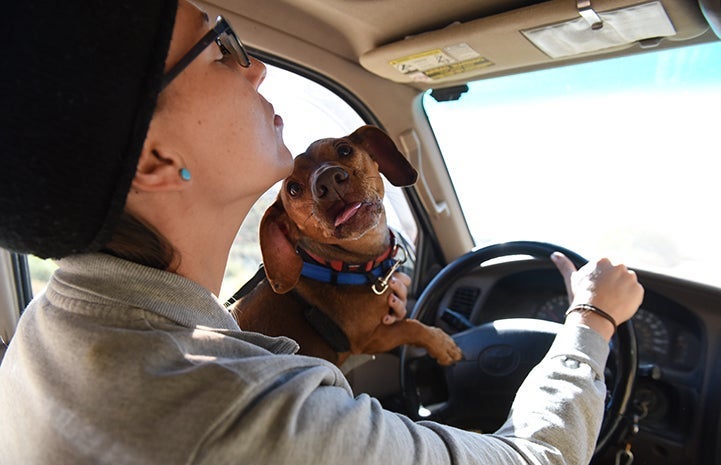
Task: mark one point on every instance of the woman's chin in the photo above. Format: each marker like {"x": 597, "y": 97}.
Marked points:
{"x": 287, "y": 162}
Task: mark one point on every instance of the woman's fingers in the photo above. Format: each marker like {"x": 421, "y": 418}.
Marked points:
{"x": 612, "y": 288}
{"x": 566, "y": 268}
{"x": 397, "y": 298}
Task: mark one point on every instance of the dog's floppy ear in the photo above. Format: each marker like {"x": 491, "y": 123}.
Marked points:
{"x": 277, "y": 244}
{"x": 390, "y": 161}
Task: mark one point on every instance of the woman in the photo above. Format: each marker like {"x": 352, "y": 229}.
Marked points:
{"x": 129, "y": 117}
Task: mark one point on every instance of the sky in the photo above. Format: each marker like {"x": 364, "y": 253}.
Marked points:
{"x": 612, "y": 158}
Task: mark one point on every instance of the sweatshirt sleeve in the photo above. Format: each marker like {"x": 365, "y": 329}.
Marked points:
{"x": 308, "y": 415}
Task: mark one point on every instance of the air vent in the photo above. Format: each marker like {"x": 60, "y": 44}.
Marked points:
{"x": 464, "y": 299}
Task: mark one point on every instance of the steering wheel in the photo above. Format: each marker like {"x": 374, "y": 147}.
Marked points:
{"x": 497, "y": 356}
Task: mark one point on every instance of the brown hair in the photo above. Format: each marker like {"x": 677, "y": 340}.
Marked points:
{"x": 137, "y": 241}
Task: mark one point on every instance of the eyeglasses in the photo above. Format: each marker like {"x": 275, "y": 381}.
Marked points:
{"x": 223, "y": 35}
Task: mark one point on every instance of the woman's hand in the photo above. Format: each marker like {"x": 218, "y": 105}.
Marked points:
{"x": 612, "y": 288}
{"x": 397, "y": 298}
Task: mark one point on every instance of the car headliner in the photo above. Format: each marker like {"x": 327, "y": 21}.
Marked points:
{"x": 373, "y": 33}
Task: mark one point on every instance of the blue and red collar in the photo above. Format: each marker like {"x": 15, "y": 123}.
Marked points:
{"x": 339, "y": 272}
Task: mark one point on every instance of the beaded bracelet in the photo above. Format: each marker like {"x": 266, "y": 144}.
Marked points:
{"x": 594, "y": 309}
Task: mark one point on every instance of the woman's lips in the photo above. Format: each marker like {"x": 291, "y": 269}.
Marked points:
{"x": 277, "y": 121}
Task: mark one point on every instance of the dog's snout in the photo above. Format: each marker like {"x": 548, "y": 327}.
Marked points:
{"x": 329, "y": 181}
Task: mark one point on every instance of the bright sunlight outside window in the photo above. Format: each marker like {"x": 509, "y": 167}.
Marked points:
{"x": 310, "y": 112}
{"x": 612, "y": 158}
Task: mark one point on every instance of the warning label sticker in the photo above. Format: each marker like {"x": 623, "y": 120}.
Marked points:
{"x": 457, "y": 68}
{"x": 440, "y": 63}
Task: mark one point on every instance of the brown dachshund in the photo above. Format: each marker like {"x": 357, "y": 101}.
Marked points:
{"x": 328, "y": 254}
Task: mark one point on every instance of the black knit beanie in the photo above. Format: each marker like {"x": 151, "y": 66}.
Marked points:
{"x": 79, "y": 83}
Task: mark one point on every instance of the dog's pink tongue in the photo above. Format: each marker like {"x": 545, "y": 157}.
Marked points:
{"x": 347, "y": 214}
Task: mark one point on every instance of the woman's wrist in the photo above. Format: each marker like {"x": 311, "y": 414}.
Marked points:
{"x": 593, "y": 309}
{"x": 600, "y": 322}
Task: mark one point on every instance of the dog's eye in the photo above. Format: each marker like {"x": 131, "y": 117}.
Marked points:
{"x": 294, "y": 189}
{"x": 344, "y": 150}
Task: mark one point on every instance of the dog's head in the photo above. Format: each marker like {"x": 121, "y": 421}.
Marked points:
{"x": 335, "y": 194}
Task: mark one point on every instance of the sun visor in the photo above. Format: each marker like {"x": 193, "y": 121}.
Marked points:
{"x": 597, "y": 31}
{"x": 712, "y": 11}
{"x": 562, "y": 30}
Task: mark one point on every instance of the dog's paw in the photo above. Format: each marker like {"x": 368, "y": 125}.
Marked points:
{"x": 444, "y": 348}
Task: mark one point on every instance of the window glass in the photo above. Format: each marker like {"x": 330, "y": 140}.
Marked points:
{"x": 609, "y": 158}
{"x": 310, "y": 112}
{"x": 40, "y": 272}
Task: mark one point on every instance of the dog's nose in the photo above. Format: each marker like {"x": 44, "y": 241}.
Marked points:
{"x": 329, "y": 182}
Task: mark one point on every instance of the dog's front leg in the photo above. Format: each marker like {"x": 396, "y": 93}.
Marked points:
{"x": 439, "y": 345}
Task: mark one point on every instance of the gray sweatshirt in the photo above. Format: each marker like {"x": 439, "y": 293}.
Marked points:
{"x": 117, "y": 363}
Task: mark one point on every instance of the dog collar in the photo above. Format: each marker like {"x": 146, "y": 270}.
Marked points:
{"x": 339, "y": 272}
{"x": 341, "y": 266}
{"x": 327, "y": 275}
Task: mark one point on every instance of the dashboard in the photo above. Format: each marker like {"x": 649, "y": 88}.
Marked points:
{"x": 671, "y": 340}
{"x": 668, "y": 335}
{"x": 676, "y": 402}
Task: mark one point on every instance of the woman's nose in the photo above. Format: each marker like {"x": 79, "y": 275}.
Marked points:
{"x": 256, "y": 71}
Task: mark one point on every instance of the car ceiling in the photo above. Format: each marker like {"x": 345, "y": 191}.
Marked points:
{"x": 375, "y": 32}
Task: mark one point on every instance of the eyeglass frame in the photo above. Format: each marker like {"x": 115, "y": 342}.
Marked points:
{"x": 221, "y": 28}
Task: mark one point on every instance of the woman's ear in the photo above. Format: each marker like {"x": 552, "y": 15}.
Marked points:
{"x": 160, "y": 170}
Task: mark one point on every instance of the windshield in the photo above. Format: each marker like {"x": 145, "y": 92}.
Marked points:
{"x": 615, "y": 158}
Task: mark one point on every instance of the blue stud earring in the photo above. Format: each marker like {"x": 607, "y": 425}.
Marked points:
{"x": 184, "y": 174}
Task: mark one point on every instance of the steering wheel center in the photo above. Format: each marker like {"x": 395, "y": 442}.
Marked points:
{"x": 499, "y": 360}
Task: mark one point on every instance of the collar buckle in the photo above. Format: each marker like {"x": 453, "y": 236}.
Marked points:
{"x": 380, "y": 286}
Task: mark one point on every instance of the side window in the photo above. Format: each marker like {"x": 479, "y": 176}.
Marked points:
{"x": 40, "y": 272}
{"x": 310, "y": 112}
